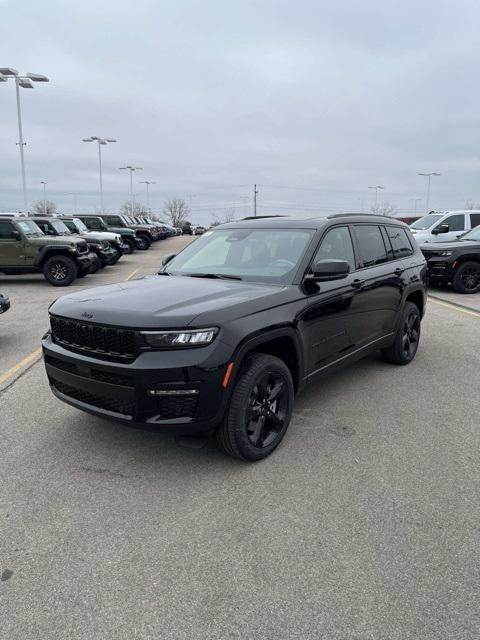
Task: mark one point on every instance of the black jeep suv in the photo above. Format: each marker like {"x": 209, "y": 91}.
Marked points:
{"x": 237, "y": 323}
{"x": 456, "y": 263}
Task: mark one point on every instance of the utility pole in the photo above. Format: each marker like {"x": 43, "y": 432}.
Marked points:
{"x": 377, "y": 187}
{"x": 255, "y": 193}
{"x": 427, "y": 198}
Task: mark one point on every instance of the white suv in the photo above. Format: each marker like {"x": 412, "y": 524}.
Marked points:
{"x": 444, "y": 226}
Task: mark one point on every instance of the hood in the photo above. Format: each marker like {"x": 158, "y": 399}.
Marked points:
{"x": 451, "y": 246}
{"x": 56, "y": 240}
{"x": 123, "y": 231}
{"x": 169, "y": 302}
{"x": 100, "y": 235}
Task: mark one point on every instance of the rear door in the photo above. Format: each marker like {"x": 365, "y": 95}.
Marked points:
{"x": 474, "y": 220}
{"x": 380, "y": 284}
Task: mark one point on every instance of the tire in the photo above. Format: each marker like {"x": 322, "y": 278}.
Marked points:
{"x": 95, "y": 266}
{"x": 407, "y": 338}
{"x": 251, "y": 429}
{"x": 145, "y": 242}
{"x": 82, "y": 274}
{"x": 58, "y": 266}
{"x": 117, "y": 257}
{"x": 467, "y": 278}
{"x": 130, "y": 245}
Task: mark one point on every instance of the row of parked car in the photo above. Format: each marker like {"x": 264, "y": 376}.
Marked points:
{"x": 64, "y": 248}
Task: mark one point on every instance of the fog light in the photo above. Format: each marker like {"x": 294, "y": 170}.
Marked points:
{"x": 173, "y": 392}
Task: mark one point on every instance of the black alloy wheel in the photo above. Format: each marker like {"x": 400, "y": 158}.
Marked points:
{"x": 260, "y": 408}
{"x": 60, "y": 271}
{"x": 407, "y": 338}
{"x": 266, "y": 412}
{"x": 467, "y": 278}
{"x": 130, "y": 245}
{"x": 143, "y": 242}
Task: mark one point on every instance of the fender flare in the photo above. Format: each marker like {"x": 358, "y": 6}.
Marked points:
{"x": 43, "y": 251}
{"x": 253, "y": 340}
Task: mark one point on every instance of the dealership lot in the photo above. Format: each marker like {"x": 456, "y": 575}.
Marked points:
{"x": 364, "y": 523}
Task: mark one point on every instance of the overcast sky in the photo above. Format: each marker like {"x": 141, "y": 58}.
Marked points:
{"x": 313, "y": 100}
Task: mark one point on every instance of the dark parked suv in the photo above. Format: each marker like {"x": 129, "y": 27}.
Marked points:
{"x": 236, "y": 324}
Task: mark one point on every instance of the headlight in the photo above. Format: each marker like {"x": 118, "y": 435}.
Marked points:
{"x": 446, "y": 253}
{"x": 187, "y": 338}
{"x": 118, "y": 239}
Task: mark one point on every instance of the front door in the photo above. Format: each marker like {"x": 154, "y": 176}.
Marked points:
{"x": 11, "y": 248}
{"x": 456, "y": 226}
{"x": 325, "y": 323}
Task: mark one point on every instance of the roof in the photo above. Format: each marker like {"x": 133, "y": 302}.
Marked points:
{"x": 286, "y": 222}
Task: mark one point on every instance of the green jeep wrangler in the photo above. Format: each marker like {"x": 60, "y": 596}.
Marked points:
{"x": 25, "y": 249}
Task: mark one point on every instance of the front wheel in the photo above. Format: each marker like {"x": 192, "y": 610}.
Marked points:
{"x": 60, "y": 271}
{"x": 144, "y": 242}
{"x": 407, "y": 338}
{"x": 116, "y": 257}
{"x": 260, "y": 409}
{"x": 467, "y": 278}
{"x": 130, "y": 245}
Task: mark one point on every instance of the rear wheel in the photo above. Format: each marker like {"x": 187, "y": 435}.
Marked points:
{"x": 144, "y": 242}
{"x": 60, "y": 271}
{"x": 407, "y": 338}
{"x": 130, "y": 245}
{"x": 260, "y": 409}
{"x": 467, "y": 278}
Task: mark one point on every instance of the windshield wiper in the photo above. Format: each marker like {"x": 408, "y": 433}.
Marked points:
{"x": 220, "y": 276}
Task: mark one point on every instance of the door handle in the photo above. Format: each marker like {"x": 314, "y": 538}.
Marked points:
{"x": 398, "y": 271}
{"x": 357, "y": 283}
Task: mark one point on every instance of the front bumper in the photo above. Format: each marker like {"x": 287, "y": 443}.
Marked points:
{"x": 4, "y": 304}
{"x": 440, "y": 269}
{"x": 122, "y": 391}
{"x": 86, "y": 260}
{"x": 107, "y": 256}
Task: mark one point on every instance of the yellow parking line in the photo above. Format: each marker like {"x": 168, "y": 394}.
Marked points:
{"x": 449, "y": 305}
{"x": 30, "y": 359}
{"x": 132, "y": 274}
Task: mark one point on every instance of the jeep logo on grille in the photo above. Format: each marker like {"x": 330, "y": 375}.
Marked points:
{"x": 87, "y": 315}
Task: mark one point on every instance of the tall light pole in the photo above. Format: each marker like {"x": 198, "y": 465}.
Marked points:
{"x": 25, "y": 82}
{"x": 44, "y": 196}
{"x": 362, "y": 201}
{"x": 377, "y": 187}
{"x": 147, "y": 184}
{"x": 131, "y": 170}
{"x": 100, "y": 142}
{"x": 429, "y": 176}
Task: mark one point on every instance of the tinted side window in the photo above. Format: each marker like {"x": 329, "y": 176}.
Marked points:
{"x": 336, "y": 245}
{"x": 370, "y": 245}
{"x": 455, "y": 223}
{"x": 474, "y": 219}
{"x": 43, "y": 225}
{"x": 113, "y": 220}
{"x": 6, "y": 228}
{"x": 400, "y": 242}
{"x": 91, "y": 223}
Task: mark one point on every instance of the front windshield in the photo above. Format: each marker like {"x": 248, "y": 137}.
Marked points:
{"x": 80, "y": 226}
{"x": 474, "y": 235}
{"x": 71, "y": 225}
{"x": 261, "y": 255}
{"x": 426, "y": 222}
{"x": 60, "y": 228}
{"x": 29, "y": 228}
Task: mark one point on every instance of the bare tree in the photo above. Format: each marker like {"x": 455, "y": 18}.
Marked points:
{"x": 227, "y": 216}
{"x": 177, "y": 211}
{"x": 385, "y": 209}
{"x": 44, "y": 207}
{"x": 130, "y": 208}
{"x": 470, "y": 205}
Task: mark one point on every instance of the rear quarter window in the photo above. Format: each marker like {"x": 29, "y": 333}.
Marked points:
{"x": 371, "y": 247}
{"x": 400, "y": 241}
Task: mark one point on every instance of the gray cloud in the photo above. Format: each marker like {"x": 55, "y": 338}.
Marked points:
{"x": 210, "y": 97}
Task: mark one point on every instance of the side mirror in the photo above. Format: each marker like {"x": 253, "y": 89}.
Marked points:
{"x": 15, "y": 234}
{"x": 166, "y": 259}
{"x": 442, "y": 228}
{"x": 325, "y": 270}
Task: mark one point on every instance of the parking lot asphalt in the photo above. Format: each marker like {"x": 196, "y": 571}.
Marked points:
{"x": 364, "y": 524}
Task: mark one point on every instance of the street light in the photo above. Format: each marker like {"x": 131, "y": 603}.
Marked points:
{"x": 377, "y": 187}
{"x": 100, "y": 141}
{"x": 131, "y": 169}
{"x": 147, "y": 183}
{"x": 44, "y": 197}
{"x": 25, "y": 82}
{"x": 429, "y": 176}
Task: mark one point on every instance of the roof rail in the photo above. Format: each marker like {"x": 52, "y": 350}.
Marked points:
{"x": 275, "y": 215}
{"x": 366, "y": 215}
